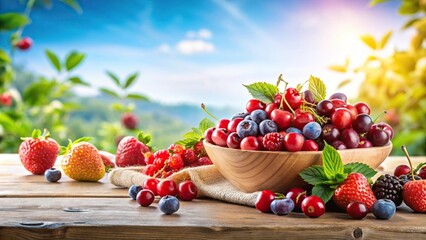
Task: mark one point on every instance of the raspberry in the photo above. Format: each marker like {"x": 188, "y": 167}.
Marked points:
{"x": 151, "y": 169}
{"x": 199, "y": 149}
{"x": 159, "y": 162}
{"x": 176, "y": 148}
{"x": 175, "y": 162}
{"x": 189, "y": 156}
{"x": 204, "y": 161}
{"x": 149, "y": 157}
{"x": 163, "y": 154}
{"x": 273, "y": 141}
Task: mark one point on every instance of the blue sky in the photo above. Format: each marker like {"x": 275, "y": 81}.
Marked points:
{"x": 203, "y": 51}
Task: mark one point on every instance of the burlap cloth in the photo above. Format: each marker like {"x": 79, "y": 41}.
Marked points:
{"x": 209, "y": 181}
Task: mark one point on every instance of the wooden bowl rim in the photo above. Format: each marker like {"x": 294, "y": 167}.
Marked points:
{"x": 346, "y": 151}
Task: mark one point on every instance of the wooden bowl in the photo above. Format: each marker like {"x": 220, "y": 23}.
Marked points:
{"x": 253, "y": 171}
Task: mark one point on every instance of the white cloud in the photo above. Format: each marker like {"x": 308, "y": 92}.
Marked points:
{"x": 164, "y": 48}
{"x": 201, "y": 34}
{"x": 188, "y": 47}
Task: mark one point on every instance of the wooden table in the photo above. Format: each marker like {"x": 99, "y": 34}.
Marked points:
{"x": 31, "y": 208}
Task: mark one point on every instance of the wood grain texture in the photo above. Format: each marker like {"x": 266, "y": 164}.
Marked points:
{"x": 114, "y": 218}
{"x": 253, "y": 171}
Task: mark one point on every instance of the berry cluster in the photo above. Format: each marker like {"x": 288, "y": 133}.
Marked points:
{"x": 295, "y": 122}
{"x": 165, "y": 162}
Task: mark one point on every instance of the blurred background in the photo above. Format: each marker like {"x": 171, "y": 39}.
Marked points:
{"x": 107, "y": 69}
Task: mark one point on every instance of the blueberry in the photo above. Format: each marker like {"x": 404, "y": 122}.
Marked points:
{"x": 268, "y": 126}
{"x": 247, "y": 128}
{"x": 384, "y": 209}
{"x": 134, "y": 190}
{"x": 258, "y": 115}
{"x": 52, "y": 175}
{"x": 293, "y": 129}
{"x": 247, "y": 117}
{"x": 240, "y": 115}
{"x": 282, "y": 206}
{"x": 312, "y": 130}
{"x": 168, "y": 204}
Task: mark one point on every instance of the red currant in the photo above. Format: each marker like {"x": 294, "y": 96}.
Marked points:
{"x": 341, "y": 118}
{"x": 313, "y": 206}
{"x": 293, "y": 142}
{"x": 151, "y": 184}
{"x": 263, "y": 201}
{"x": 145, "y": 197}
{"x": 357, "y": 210}
{"x": 254, "y": 104}
{"x": 167, "y": 187}
{"x": 187, "y": 191}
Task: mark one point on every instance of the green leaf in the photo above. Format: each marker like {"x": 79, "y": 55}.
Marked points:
{"x": 114, "y": 78}
{"x": 36, "y": 133}
{"x": 369, "y": 41}
{"x": 323, "y": 191}
{"x": 54, "y": 60}
{"x": 73, "y": 4}
{"x": 187, "y": 143}
{"x": 109, "y": 92}
{"x": 409, "y": 7}
{"x": 375, "y": 2}
{"x": 317, "y": 87}
{"x": 262, "y": 91}
{"x": 144, "y": 138}
{"x": 362, "y": 168}
{"x": 73, "y": 60}
{"x": 344, "y": 83}
{"x": 130, "y": 80}
{"x": 78, "y": 80}
{"x": 82, "y": 139}
{"x": 332, "y": 162}
{"x": 137, "y": 96}
{"x": 314, "y": 175}
{"x": 10, "y": 21}
{"x": 385, "y": 39}
{"x": 4, "y": 57}
{"x": 192, "y": 135}
{"x": 410, "y": 23}
{"x": 205, "y": 124}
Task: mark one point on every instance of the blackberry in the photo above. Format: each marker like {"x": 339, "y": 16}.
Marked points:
{"x": 403, "y": 179}
{"x": 388, "y": 187}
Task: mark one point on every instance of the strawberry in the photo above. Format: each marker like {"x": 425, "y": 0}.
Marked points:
{"x": 82, "y": 161}
{"x": 108, "y": 160}
{"x": 355, "y": 188}
{"x": 414, "y": 195}
{"x": 130, "y": 152}
{"x": 39, "y": 152}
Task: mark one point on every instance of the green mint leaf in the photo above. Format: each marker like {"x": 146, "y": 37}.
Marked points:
{"x": 314, "y": 175}
{"x": 323, "y": 191}
{"x": 205, "y": 124}
{"x": 262, "y": 91}
{"x": 332, "y": 162}
{"x": 362, "y": 168}
{"x": 317, "y": 87}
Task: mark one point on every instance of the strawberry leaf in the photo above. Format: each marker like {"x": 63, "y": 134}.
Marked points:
{"x": 362, "y": 168}
{"x": 332, "y": 162}
{"x": 82, "y": 139}
{"x": 36, "y": 133}
{"x": 317, "y": 87}
{"x": 144, "y": 138}
{"x": 314, "y": 175}
{"x": 262, "y": 91}
{"x": 323, "y": 191}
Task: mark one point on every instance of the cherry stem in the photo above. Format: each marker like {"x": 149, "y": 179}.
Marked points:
{"x": 280, "y": 79}
{"x": 299, "y": 195}
{"x": 404, "y": 149}
{"x": 377, "y": 117}
{"x": 208, "y": 113}
{"x": 279, "y": 196}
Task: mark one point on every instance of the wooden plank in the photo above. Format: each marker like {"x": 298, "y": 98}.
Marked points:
{"x": 116, "y": 218}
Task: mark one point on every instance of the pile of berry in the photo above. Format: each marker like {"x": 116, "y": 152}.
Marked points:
{"x": 297, "y": 121}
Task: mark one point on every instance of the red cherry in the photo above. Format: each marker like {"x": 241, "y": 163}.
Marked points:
{"x": 145, "y": 197}
{"x": 250, "y": 143}
{"x": 302, "y": 118}
{"x": 282, "y": 118}
{"x": 293, "y": 98}
{"x": 293, "y": 142}
{"x": 24, "y": 43}
{"x": 270, "y": 107}
{"x": 277, "y": 98}
{"x": 364, "y": 143}
{"x": 339, "y": 96}
{"x": 151, "y": 184}
{"x": 310, "y": 145}
{"x": 208, "y": 134}
{"x": 167, "y": 187}
{"x": 401, "y": 170}
{"x": 219, "y": 136}
{"x": 232, "y": 125}
{"x": 357, "y": 210}
{"x": 263, "y": 201}
{"x": 341, "y": 118}
{"x": 222, "y": 123}
{"x": 385, "y": 127}
{"x": 254, "y": 104}
{"x": 187, "y": 191}
{"x": 337, "y": 103}
{"x": 233, "y": 140}
{"x": 422, "y": 172}
{"x": 353, "y": 111}
{"x": 313, "y": 206}
{"x": 297, "y": 195}
{"x": 362, "y": 108}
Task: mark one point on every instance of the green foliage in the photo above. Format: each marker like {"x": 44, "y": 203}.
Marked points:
{"x": 11, "y": 21}
{"x": 317, "y": 87}
{"x": 262, "y": 91}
